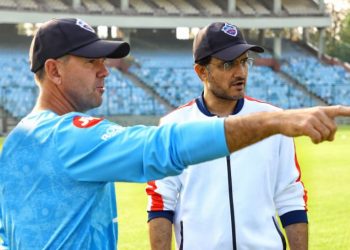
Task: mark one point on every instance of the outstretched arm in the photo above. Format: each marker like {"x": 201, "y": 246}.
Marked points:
{"x": 158, "y": 152}
{"x": 318, "y": 123}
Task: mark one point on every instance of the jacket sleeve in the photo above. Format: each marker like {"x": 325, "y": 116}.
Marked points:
{"x": 108, "y": 152}
{"x": 290, "y": 194}
{"x": 162, "y": 194}
{"x": 162, "y": 197}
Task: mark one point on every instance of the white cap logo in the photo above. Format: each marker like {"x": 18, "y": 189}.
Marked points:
{"x": 230, "y": 29}
{"x": 84, "y": 25}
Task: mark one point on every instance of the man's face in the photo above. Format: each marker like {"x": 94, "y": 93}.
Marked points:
{"x": 83, "y": 81}
{"x": 227, "y": 80}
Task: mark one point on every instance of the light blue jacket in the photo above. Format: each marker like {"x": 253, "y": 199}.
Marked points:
{"x": 57, "y": 174}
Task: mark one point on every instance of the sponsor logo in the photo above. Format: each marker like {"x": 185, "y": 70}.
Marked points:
{"x": 230, "y": 29}
{"x": 84, "y": 25}
{"x": 111, "y": 132}
{"x": 85, "y": 121}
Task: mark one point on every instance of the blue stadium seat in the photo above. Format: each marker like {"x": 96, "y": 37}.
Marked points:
{"x": 170, "y": 73}
{"x": 326, "y": 81}
{"x": 18, "y": 91}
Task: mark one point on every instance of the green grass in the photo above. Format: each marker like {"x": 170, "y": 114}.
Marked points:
{"x": 1, "y": 141}
{"x": 325, "y": 173}
{"x": 132, "y": 216}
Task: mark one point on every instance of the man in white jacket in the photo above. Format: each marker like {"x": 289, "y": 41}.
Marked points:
{"x": 236, "y": 204}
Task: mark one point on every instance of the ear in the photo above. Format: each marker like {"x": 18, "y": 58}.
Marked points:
{"x": 52, "y": 71}
{"x": 201, "y": 71}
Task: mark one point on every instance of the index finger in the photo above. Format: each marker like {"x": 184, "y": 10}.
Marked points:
{"x": 338, "y": 110}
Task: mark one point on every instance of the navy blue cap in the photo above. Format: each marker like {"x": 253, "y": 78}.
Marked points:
{"x": 221, "y": 40}
{"x": 59, "y": 37}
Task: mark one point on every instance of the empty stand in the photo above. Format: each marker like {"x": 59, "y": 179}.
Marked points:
{"x": 106, "y": 6}
{"x": 300, "y": 7}
{"x": 176, "y": 85}
{"x": 19, "y": 92}
{"x": 186, "y": 8}
{"x": 8, "y": 4}
{"x": 245, "y": 8}
{"x": 266, "y": 85}
{"x": 28, "y": 4}
{"x": 324, "y": 82}
{"x": 179, "y": 7}
{"x": 259, "y": 8}
{"x": 210, "y": 7}
{"x": 57, "y": 5}
{"x": 167, "y": 6}
{"x": 141, "y": 7}
{"x": 175, "y": 80}
{"x": 92, "y": 6}
{"x": 124, "y": 98}
{"x": 16, "y": 82}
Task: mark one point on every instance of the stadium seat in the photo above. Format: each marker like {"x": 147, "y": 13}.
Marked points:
{"x": 245, "y": 8}
{"x": 323, "y": 82}
{"x": 28, "y": 4}
{"x": 259, "y": 8}
{"x": 92, "y": 6}
{"x": 300, "y": 7}
{"x": 210, "y": 7}
{"x": 186, "y": 8}
{"x": 175, "y": 80}
{"x": 18, "y": 91}
{"x": 167, "y": 6}
{"x": 8, "y": 4}
{"x": 141, "y": 7}
{"x": 57, "y": 5}
{"x": 106, "y": 6}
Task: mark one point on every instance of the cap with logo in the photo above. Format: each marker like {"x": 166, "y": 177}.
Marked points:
{"x": 221, "y": 40}
{"x": 59, "y": 37}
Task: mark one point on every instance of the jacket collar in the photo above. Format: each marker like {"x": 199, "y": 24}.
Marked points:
{"x": 203, "y": 108}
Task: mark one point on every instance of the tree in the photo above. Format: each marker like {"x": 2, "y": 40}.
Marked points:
{"x": 338, "y": 36}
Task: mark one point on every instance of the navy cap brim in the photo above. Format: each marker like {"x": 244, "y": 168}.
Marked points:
{"x": 103, "y": 49}
{"x": 235, "y": 51}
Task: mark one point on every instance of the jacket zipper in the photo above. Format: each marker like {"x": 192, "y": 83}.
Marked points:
{"x": 182, "y": 235}
{"x": 232, "y": 210}
{"x": 280, "y": 234}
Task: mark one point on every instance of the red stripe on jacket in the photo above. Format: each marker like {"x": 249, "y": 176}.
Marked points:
{"x": 180, "y": 107}
{"x": 299, "y": 178}
{"x": 157, "y": 200}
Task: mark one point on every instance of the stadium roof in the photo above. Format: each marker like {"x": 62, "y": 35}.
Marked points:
{"x": 138, "y": 21}
{"x": 158, "y": 14}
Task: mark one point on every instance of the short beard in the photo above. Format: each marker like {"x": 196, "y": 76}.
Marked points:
{"x": 227, "y": 97}
{"x": 220, "y": 94}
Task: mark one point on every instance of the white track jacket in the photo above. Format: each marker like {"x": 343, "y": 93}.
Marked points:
{"x": 231, "y": 203}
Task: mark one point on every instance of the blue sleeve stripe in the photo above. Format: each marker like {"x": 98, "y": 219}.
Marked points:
{"x": 161, "y": 214}
{"x": 293, "y": 217}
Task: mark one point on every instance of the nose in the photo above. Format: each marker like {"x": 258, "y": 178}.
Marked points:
{"x": 103, "y": 70}
{"x": 240, "y": 70}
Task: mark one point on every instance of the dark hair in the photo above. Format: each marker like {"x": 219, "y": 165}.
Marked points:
{"x": 205, "y": 61}
{"x": 40, "y": 73}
